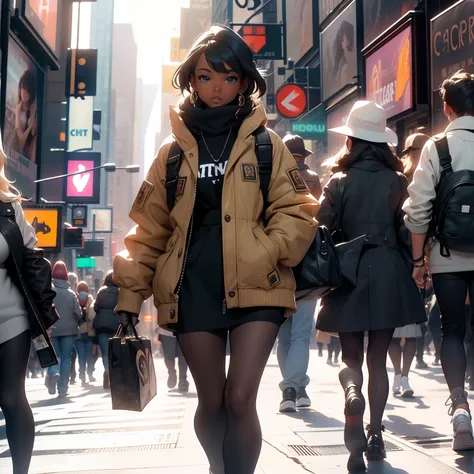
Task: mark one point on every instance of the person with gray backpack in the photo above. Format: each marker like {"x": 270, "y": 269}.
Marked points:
{"x": 440, "y": 215}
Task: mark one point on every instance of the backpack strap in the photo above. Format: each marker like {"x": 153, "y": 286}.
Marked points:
{"x": 173, "y": 165}
{"x": 445, "y": 160}
{"x": 264, "y": 152}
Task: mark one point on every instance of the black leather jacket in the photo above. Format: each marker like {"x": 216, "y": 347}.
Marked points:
{"x": 31, "y": 273}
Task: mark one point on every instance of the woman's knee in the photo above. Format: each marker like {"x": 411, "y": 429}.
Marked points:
{"x": 239, "y": 403}
{"x": 12, "y": 399}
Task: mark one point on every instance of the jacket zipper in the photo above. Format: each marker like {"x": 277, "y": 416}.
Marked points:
{"x": 188, "y": 244}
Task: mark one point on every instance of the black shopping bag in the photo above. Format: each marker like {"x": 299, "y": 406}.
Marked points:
{"x": 131, "y": 371}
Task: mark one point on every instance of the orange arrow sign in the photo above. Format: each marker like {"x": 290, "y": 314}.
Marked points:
{"x": 255, "y": 37}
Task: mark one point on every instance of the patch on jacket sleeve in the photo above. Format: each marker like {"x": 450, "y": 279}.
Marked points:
{"x": 180, "y": 187}
{"x": 249, "y": 172}
{"x": 297, "y": 181}
{"x": 273, "y": 278}
{"x": 143, "y": 194}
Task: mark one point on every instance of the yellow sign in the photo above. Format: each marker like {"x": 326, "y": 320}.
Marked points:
{"x": 46, "y": 225}
{"x": 174, "y": 50}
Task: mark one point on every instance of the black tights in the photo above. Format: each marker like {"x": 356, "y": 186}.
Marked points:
{"x": 20, "y": 425}
{"x": 353, "y": 357}
{"x": 395, "y": 352}
{"x": 226, "y": 420}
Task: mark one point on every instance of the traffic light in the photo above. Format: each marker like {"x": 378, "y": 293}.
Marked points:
{"x": 81, "y": 78}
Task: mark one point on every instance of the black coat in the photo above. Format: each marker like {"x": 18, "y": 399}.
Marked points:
{"x": 385, "y": 295}
{"x": 106, "y": 319}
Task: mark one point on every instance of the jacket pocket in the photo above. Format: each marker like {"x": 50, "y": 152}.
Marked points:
{"x": 267, "y": 243}
{"x": 166, "y": 271}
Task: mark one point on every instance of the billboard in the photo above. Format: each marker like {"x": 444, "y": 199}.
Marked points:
{"x": 381, "y": 14}
{"x": 22, "y": 116}
{"x": 339, "y": 49}
{"x": 43, "y": 15}
{"x": 389, "y": 74}
{"x": 337, "y": 118}
{"x": 326, "y": 7}
{"x": 47, "y": 224}
{"x": 452, "y": 49}
{"x": 103, "y": 220}
{"x": 299, "y": 27}
{"x": 83, "y": 187}
{"x": 80, "y": 123}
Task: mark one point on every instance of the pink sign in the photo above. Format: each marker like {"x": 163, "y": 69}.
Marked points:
{"x": 80, "y": 185}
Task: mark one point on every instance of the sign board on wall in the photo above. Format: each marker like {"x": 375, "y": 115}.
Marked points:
{"x": 43, "y": 16}
{"x": 103, "y": 220}
{"x": 389, "y": 74}
{"x": 47, "y": 224}
{"x": 299, "y": 28}
{"x": 82, "y": 188}
{"x": 381, "y": 14}
{"x": 339, "y": 51}
{"x": 452, "y": 48}
{"x": 311, "y": 126}
{"x": 80, "y": 123}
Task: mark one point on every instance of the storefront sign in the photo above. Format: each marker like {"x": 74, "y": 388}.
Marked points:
{"x": 339, "y": 51}
{"x": 299, "y": 28}
{"x": 43, "y": 15}
{"x": 389, "y": 74}
{"x": 312, "y": 126}
{"x": 452, "y": 48}
{"x": 382, "y": 14}
{"x": 80, "y": 123}
{"x": 83, "y": 188}
{"x": 47, "y": 224}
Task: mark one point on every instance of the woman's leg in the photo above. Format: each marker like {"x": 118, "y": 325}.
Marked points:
{"x": 89, "y": 356}
{"x": 80, "y": 345}
{"x": 19, "y": 420}
{"x": 409, "y": 351}
{"x": 395, "y": 353}
{"x": 104, "y": 350}
{"x": 251, "y": 345}
{"x": 379, "y": 342}
{"x": 205, "y": 355}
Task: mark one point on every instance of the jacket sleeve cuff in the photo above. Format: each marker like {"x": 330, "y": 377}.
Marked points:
{"x": 415, "y": 228}
{"x": 129, "y": 301}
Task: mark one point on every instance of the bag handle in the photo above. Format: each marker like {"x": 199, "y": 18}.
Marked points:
{"x": 123, "y": 331}
{"x": 338, "y": 205}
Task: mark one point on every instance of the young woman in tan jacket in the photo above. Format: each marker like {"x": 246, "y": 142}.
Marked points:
{"x": 216, "y": 265}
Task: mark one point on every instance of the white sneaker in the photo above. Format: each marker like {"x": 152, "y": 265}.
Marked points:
{"x": 397, "y": 381}
{"x": 463, "y": 439}
{"x": 407, "y": 391}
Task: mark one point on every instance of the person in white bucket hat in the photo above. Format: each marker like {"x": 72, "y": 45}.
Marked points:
{"x": 378, "y": 293}
{"x": 367, "y": 121}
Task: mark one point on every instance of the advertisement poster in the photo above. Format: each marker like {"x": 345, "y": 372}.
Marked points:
{"x": 83, "y": 188}
{"x": 326, "y": 7}
{"x": 337, "y": 118}
{"x": 20, "y": 140}
{"x": 299, "y": 21}
{"x": 339, "y": 48}
{"x": 452, "y": 49}
{"x": 103, "y": 219}
{"x": 43, "y": 15}
{"x": 47, "y": 225}
{"x": 389, "y": 74}
{"x": 382, "y": 14}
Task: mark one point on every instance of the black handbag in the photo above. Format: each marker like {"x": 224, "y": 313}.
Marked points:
{"x": 131, "y": 370}
{"x": 319, "y": 273}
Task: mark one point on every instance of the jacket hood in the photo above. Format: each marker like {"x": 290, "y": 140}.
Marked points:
{"x": 61, "y": 284}
{"x": 186, "y": 140}
{"x": 369, "y": 163}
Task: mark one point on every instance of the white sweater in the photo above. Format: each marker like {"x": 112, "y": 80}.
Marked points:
{"x": 422, "y": 191}
{"x": 13, "y": 315}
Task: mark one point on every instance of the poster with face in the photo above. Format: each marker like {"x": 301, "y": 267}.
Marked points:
{"x": 21, "y": 118}
{"x": 338, "y": 45}
{"x": 381, "y": 14}
{"x": 299, "y": 21}
{"x": 389, "y": 74}
{"x": 43, "y": 15}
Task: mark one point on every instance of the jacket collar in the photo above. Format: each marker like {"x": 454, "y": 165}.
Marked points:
{"x": 61, "y": 283}
{"x": 186, "y": 140}
{"x": 460, "y": 123}
{"x": 302, "y": 166}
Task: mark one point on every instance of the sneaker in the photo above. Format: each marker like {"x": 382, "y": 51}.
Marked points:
{"x": 82, "y": 377}
{"x": 421, "y": 364}
{"x": 463, "y": 439}
{"x": 52, "y": 384}
{"x": 62, "y": 394}
{"x": 407, "y": 391}
{"x": 436, "y": 362}
{"x": 302, "y": 399}
{"x": 288, "y": 402}
{"x": 397, "y": 382}
{"x": 91, "y": 378}
{"x": 172, "y": 379}
{"x": 329, "y": 361}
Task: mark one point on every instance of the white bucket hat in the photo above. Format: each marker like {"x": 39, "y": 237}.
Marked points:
{"x": 367, "y": 121}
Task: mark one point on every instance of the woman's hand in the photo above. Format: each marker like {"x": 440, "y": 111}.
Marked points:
{"x": 419, "y": 275}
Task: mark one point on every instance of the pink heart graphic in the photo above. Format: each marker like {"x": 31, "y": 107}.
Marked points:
{"x": 80, "y": 180}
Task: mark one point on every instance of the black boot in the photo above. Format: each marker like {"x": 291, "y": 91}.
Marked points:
{"x": 354, "y": 435}
{"x": 375, "y": 445}
{"x": 106, "y": 383}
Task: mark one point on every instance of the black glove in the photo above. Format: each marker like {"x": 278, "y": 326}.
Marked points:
{"x": 126, "y": 318}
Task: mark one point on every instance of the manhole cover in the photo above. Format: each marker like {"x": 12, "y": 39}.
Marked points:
{"x": 332, "y": 450}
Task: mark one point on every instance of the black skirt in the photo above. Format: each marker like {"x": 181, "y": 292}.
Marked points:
{"x": 202, "y": 304}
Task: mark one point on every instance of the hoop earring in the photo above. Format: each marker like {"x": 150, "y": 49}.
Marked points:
{"x": 241, "y": 99}
{"x": 194, "y": 98}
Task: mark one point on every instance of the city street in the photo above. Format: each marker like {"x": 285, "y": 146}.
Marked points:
{"x": 84, "y": 435}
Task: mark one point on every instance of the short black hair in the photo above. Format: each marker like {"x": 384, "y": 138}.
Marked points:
{"x": 222, "y": 46}
{"x": 458, "y": 93}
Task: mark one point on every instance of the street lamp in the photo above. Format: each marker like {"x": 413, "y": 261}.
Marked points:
{"x": 109, "y": 167}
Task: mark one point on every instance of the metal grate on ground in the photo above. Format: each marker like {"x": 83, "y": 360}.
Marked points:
{"x": 331, "y": 450}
